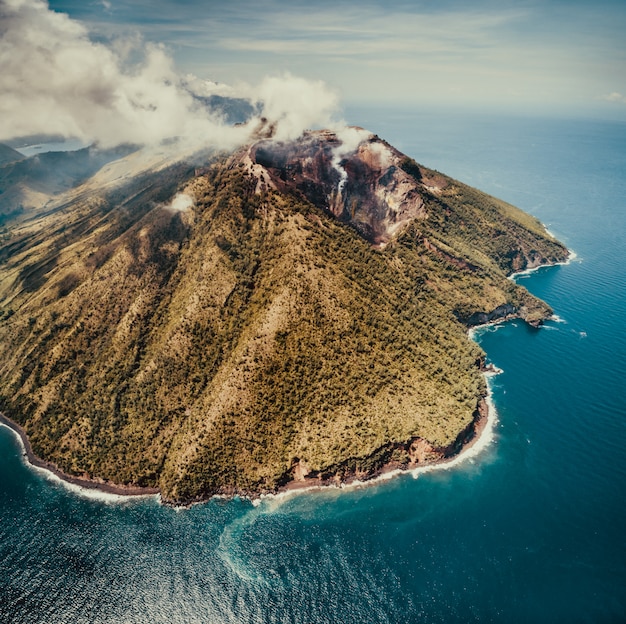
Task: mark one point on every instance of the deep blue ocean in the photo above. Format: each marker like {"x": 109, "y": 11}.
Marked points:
{"x": 531, "y": 530}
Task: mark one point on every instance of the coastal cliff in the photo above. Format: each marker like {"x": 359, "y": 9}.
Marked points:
{"x": 292, "y": 312}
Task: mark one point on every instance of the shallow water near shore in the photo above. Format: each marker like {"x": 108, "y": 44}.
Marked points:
{"x": 529, "y": 530}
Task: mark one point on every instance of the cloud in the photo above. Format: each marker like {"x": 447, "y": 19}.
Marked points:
{"x": 295, "y": 104}
{"x": 181, "y": 203}
{"x": 615, "y": 97}
{"x": 351, "y": 137}
{"x": 55, "y": 79}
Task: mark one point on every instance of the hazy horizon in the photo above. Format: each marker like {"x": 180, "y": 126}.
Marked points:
{"x": 113, "y": 71}
{"x": 552, "y": 57}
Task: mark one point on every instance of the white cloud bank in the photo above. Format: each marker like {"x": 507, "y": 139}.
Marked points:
{"x": 615, "y": 97}
{"x": 55, "y": 79}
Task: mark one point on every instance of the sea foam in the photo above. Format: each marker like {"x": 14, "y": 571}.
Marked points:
{"x": 572, "y": 255}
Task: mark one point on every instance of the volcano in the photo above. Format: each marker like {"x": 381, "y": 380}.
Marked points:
{"x": 293, "y": 312}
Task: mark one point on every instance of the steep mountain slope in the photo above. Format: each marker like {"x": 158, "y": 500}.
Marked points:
{"x": 300, "y": 311}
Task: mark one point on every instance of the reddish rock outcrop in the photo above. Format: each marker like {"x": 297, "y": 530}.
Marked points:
{"x": 354, "y": 175}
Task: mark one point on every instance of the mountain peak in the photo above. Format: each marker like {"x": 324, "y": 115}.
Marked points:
{"x": 352, "y": 174}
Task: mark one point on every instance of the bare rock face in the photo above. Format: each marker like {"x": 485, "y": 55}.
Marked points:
{"x": 353, "y": 174}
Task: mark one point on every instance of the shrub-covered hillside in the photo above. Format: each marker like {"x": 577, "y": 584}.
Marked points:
{"x": 253, "y": 335}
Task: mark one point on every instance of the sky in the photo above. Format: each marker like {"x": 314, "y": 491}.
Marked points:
{"x": 109, "y": 71}
{"x": 524, "y": 55}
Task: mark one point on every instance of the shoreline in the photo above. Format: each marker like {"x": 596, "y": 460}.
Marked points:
{"x": 480, "y": 436}
{"x": 483, "y": 427}
{"x": 52, "y": 471}
{"x": 571, "y": 256}
{"x": 480, "y": 432}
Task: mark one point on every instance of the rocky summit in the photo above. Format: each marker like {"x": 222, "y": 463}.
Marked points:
{"x": 292, "y": 312}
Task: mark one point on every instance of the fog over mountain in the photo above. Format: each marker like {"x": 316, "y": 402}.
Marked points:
{"x": 56, "y": 78}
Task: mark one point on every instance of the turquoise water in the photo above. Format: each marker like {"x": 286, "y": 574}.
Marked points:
{"x": 532, "y": 530}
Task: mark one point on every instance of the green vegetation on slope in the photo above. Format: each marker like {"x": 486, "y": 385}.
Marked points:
{"x": 211, "y": 350}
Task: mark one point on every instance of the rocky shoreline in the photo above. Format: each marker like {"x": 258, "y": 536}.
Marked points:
{"x": 83, "y": 482}
{"x": 421, "y": 454}
{"x": 385, "y": 460}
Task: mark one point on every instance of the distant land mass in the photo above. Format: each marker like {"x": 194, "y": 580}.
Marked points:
{"x": 291, "y": 313}
{"x": 8, "y": 155}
